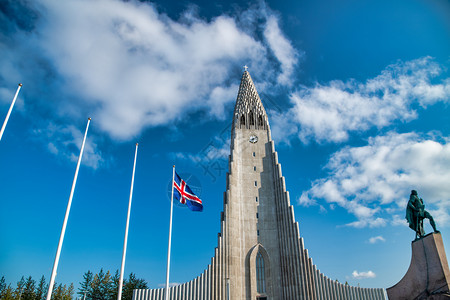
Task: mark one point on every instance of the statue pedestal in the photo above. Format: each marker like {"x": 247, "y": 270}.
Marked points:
{"x": 428, "y": 276}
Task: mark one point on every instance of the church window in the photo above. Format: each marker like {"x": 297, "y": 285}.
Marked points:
{"x": 256, "y": 183}
{"x": 260, "y": 121}
{"x": 256, "y": 199}
{"x": 260, "y": 274}
{"x": 257, "y": 232}
{"x": 257, "y": 215}
{"x": 254, "y": 168}
{"x": 252, "y": 121}
{"x": 254, "y": 154}
{"x": 242, "y": 120}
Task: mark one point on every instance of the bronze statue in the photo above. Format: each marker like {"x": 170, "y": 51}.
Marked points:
{"x": 415, "y": 213}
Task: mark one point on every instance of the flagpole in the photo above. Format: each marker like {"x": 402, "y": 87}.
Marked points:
{"x": 119, "y": 294}
{"x": 9, "y": 111}
{"x": 63, "y": 230}
{"x": 170, "y": 238}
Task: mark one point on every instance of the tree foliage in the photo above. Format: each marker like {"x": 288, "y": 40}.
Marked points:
{"x": 29, "y": 289}
{"x": 19, "y": 288}
{"x": 63, "y": 292}
{"x": 41, "y": 289}
{"x": 103, "y": 286}
{"x": 131, "y": 284}
{"x": 99, "y": 286}
{"x": 8, "y": 293}
{"x": 2, "y": 285}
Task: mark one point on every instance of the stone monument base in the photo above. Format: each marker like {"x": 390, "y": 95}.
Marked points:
{"x": 428, "y": 276}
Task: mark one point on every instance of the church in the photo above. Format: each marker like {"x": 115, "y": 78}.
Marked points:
{"x": 260, "y": 254}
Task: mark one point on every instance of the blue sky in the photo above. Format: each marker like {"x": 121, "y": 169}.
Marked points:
{"x": 357, "y": 94}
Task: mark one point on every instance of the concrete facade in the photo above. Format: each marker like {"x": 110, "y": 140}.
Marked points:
{"x": 260, "y": 254}
{"x": 428, "y": 275}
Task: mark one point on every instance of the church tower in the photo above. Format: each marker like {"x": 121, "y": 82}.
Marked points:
{"x": 260, "y": 254}
{"x": 253, "y": 239}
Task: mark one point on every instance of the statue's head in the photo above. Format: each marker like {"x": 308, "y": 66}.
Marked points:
{"x": 414, "y": 192}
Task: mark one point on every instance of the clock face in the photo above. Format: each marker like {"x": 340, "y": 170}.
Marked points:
{"x": 253, "y": 139}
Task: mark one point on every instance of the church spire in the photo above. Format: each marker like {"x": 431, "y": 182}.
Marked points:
{"x": 249, "y": 112}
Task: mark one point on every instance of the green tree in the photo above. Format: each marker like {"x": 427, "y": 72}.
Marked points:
{"x": 86, "y": 286}
{"x": 58, "y": 292}
{"x": 19, "y": 289}
{"x": 96, "y": 294}
{"x": 8, "y": 293}
{"x": 68, "y": 293}
{"x": 131, "y": 284}
{"x": 41, "y": 289}
{"x": 2, "y": 286}
{"x": 101, "y": 286}
{"x": 28, "y": 291}
{"x": 63, "y": 292}
{"x": 55, "y": 291}
{"x": 104, "y": 286}
{"x": 114, "y": 286}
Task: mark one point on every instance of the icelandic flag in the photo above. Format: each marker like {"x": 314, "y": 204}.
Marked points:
{"x": 184, "y": 194}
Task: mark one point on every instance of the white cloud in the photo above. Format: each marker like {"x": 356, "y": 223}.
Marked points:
{"x": 306, "y": 201}
{"x": 374, "y": 181}
{"x": 216, "y": 149}
{"x": 369, "y": 222}
{"x": 282, "y": 49}
{"x": 130, "y": 67}
{"x": 363, "y": 275}
{"x": 376, "y": 239}
{"x": 399, "y": 221}
{"x": 65, "y": 141}
{"x": 322, "y": 209}
{"x": 281, "y": 126}
{"x": 161, "y": 285}
{"x": 330, "y": 112}
{"x": 141, "y": 68}
{"x": 219, "y": 97}
{"x": 6, "y": 95}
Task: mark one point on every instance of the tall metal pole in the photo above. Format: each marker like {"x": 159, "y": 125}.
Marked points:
{"x": 66, "y": 217}
{"x": 170, "y": 238}
{"x": 9, "y": 111}
{"x": 122, "y": 268}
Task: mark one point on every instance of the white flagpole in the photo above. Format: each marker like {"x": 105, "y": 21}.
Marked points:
{"x": 119, "y": 294}
{"x": 63, "y": 230}
{"x": 170, "y": 238}
{"x": 9, "y": 111}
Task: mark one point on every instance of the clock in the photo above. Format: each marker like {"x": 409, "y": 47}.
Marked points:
{"x": 253, "y": 139}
